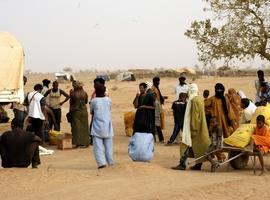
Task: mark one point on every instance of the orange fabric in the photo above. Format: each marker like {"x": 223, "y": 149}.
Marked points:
{"x": 261, "y": 138}
{"x": 214, "y": 105}
{"x": 235, "y": 101}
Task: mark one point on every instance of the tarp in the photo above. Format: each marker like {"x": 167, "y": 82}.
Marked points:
{"x": 125, "y": 76}
{"x": 12, "y": 67}
{"x": 64, "y": 76}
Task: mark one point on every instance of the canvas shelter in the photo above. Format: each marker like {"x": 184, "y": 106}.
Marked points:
{"x": 126, "y": 76}
{"x": 12, "y": 69}
{"x": 62, "y": 77}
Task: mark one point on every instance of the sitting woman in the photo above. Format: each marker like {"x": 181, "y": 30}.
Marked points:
{"x": 141, "y": 144}
{"x": 261, "y": 139}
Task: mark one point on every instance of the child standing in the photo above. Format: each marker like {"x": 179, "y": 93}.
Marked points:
{"x": 102, "y": 130}
{"x": 206, "y": 94}
{"x": 261, "y": 138}
{"x": 215, "y": 133}
{"x": 179, "y": 108}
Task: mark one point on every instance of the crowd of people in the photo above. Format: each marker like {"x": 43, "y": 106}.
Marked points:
{"x": 41, "y": 111}
{"x": 200, "y": 122}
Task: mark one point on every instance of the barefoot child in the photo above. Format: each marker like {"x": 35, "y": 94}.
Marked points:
{"x": 261, "y": 139}
{"x": 215, "y": 133}
{"x": 102, "y": 131}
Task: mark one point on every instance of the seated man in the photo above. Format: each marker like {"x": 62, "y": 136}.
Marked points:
{"x": 141, "y": 147}
{"x": 261, "y": 139}
{"x": 19, "y": 148}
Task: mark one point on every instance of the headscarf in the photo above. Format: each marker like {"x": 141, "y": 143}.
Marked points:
{"x": 77, "y": 84}
{"x": 186, "y": 136}
{"x": 219, "y": 93}
{"x": 242, "y": 94}
{"x": 149, "y": 85}
{"x": 235, "y": 101}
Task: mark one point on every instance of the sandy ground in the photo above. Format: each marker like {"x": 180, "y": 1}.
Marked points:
{"x": 72, "y": 174}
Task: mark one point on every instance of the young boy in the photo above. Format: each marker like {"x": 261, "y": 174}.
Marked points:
{"x": 102, "y": 130}
{"x": 179, "y": 108}
{"x": 215, "y": 133}
{"x": 206, "y": 94}
{"x": 261, "y": 139}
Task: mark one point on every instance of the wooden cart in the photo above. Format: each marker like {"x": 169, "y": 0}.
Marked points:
{"x": 237, "y": 157}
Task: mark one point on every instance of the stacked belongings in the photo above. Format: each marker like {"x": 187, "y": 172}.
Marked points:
{"x": 241, "y": 137}
{"x": 129, "y": 118}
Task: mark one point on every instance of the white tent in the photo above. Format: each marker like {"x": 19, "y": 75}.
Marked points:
{"x": 125, "y": 76}
{"x": 64, "y": 77}
{"x": 11, "y": 69}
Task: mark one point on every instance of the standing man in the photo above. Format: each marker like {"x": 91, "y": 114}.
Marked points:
{"x": 97, "y": 82}
{"x": 219, "y": 106}
{"x": 159, "y": 113}
{"x": 264, "y": 94}
{"x": 195, "y": 135}
{"x": 45, "y": 86}
{"x": 258, "y": 82}
{"x": 36, "y": 102}
{"x": 54, "y": 101}
{"x": 182, "y": 87}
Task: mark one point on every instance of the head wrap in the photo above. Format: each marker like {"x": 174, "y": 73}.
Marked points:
{"x": 219, "y": 93}
{"x": 192, "y": 90}
{"x": 77, "y": 84}
{"x": 219, "y": 90}
{"x": 242, "y": 94}
{"x": 149, "y": 85}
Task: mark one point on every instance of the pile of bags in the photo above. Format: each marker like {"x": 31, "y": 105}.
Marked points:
{"x": 241, "y": 136}
{"x": 129, "y": 118}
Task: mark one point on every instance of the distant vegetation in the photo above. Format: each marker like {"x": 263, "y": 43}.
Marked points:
{"x": 239, "y": 30}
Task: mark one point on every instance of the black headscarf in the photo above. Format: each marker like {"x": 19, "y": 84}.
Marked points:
{"x": 219, "y": 93}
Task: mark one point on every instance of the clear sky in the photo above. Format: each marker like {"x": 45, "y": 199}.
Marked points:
{"x": 102, "y": 34}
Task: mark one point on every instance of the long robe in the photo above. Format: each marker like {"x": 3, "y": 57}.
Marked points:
{"x": 198, "y": 128}
{"x": 235, "y": 101}
{"x": 261, "y": 138}
{"x": 160, "y": 114}
{"x": 214, "y": 105}
{"x": 145, "y": 117}
{"x": 79, "y": 122}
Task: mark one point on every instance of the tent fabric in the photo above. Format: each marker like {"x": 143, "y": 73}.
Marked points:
{"x": 125, "y": 76}
{"x": 11, "y": 63}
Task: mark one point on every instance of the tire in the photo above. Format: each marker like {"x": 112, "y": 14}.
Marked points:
{"x": 240, "y": 162}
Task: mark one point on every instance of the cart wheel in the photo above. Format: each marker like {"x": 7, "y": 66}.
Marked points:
{"x": 240, "y": 162}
